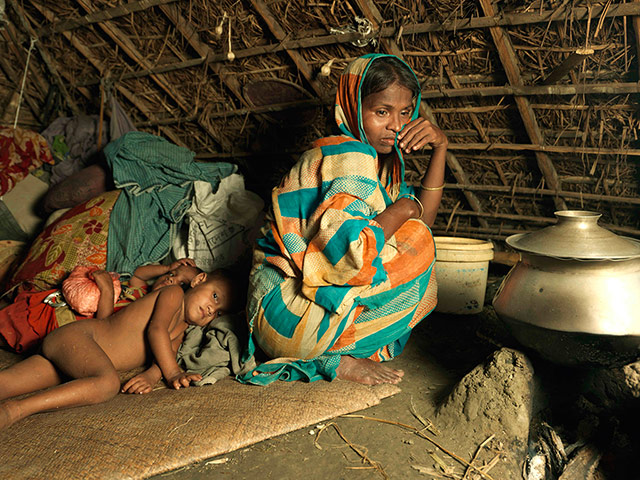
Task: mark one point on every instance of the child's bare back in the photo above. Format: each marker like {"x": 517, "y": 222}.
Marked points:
{"x": 121, "y": 336}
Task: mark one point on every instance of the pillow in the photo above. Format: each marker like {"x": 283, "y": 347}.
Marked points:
{"x": 78, "y": 237}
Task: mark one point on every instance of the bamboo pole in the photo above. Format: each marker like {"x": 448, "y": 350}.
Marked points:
{"x": 612, "y": 88}
{"x": 529, "y": 90}
{"x": 278, "y": 32}
{"x": 535, "y": 219}
{"x": 629, "y": 152}
{"x": 512, "y": 69}
{"x": 484, "y": 147}
{"x": 311, "y": 39}
{"x": 544, "y": 192}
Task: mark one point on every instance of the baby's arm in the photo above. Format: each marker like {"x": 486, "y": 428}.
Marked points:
{"x": 105, "y": 285}
{"x": 144, "y": 382}
{"x": 143, "y": 274}
{"x": 166, "y": 313}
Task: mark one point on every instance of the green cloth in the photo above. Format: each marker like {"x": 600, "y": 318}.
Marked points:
{"x": 214, "y": 351}
{"x": 157, "y": 179}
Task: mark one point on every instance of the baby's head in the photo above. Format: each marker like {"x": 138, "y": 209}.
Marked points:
{"x": 212, "y": 295}
{"x": 181, "y": 275}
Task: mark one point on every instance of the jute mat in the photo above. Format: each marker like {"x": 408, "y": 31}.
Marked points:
{"x": 137, "y": 436}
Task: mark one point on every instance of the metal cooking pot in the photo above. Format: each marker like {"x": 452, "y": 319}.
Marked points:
{"x": 574, "y": 295}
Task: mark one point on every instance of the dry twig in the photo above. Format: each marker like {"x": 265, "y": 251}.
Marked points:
{"x": 361, "y": 451}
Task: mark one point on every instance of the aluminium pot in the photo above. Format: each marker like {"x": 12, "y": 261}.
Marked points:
{"x": 574, "y": 295}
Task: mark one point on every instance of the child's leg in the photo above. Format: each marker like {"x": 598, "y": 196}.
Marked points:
{"x": 75, "y": 354}
{"x": 30, "y": 375}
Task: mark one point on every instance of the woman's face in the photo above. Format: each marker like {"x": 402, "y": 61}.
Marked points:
{"x": 384, "y": 114}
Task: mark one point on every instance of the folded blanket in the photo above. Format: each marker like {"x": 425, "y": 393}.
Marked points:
{"x": 157, "y": 179}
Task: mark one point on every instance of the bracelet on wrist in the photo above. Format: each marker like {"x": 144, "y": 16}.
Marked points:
{"x": 431, "y": 189}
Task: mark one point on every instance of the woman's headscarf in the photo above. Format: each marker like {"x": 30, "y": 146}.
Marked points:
{"x": 348, "y": 106}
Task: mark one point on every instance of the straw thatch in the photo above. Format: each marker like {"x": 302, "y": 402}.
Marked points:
{"x": 538, "y": 98}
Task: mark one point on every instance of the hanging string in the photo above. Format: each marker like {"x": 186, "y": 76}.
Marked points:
{"x": 24, "y": 79}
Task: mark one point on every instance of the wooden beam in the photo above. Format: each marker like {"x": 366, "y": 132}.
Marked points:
{"x": 510, "y": 65}
{"x": 274, "y": 26}
{"x": 102, "y": 15}
{"x": 544, "y": 191}
{"x": 526, "y": 90}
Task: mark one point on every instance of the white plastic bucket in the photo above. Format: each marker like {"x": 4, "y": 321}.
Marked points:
{"x": 462, "y": 267}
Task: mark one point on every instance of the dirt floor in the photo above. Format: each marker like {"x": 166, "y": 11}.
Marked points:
{"x": 440, "y": 352}
{"x": 584, "y": 431}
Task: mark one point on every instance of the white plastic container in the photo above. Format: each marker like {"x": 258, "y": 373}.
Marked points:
{"x": 462, "y": 267}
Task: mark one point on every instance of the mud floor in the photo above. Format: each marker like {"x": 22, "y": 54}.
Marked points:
{"x": 578, "y": 430}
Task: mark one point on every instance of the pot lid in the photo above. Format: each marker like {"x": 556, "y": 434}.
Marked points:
{"x": 576, "y": 235}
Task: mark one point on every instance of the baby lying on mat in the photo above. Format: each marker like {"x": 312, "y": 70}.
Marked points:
{"x": 149, "y": 330}
{"x": 32, "y": 315}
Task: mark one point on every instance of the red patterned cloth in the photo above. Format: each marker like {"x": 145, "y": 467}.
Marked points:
{"x": 21, "y": 151}
{"x": 25, "y": 322}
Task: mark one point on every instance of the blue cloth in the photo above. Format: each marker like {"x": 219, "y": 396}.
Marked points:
{"x": 157, "y": 178}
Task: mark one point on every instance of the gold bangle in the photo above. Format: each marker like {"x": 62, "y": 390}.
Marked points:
{"x": 431, "y": 189}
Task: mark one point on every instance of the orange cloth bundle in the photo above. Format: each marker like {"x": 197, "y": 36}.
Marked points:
{"x": 82, "y": 293}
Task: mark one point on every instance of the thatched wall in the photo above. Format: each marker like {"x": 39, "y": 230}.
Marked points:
{"x": 538, "y": 99}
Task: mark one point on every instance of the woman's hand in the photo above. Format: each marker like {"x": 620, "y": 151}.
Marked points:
{"x": 419, "y": 133}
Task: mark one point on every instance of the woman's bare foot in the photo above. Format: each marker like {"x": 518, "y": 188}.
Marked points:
{"x": 363, "y": 370}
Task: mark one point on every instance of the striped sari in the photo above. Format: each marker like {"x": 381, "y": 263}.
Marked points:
{"x": 324, "y": 282}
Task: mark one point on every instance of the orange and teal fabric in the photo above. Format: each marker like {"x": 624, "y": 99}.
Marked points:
{"x": 324, "y": 282}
